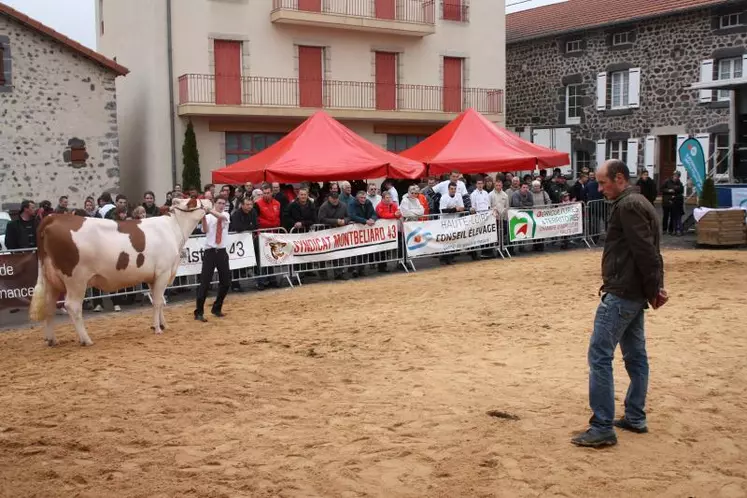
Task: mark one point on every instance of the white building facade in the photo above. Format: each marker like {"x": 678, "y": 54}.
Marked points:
{"x": 245, "y": 72}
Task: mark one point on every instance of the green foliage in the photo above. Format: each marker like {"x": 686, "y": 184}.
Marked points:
{"x": 708, "y": 197}
{"x": 191, "y": 160}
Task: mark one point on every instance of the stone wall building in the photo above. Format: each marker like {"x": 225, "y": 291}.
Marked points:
{"x": 604, "y": 79}
{"x": 58, "y": 115}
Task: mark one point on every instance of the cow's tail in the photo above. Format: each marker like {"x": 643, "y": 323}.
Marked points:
{"x": 38, "y": 308}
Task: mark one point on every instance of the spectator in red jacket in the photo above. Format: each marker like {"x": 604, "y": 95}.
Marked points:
{"x": 387, "y": 210}
{"x": 268, "y": 216}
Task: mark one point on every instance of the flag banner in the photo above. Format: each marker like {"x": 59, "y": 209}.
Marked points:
{"x": 544, "y": 222}
{"x": 692, "y": 156}
{"x": 18, "y": 271}
{"x": 448, "y": 235}
{"x": 278, "y": 249}
{"x": 240, "y": 247}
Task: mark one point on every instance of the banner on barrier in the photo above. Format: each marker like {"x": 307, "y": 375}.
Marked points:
{"x": 450, "y": 235}
{"x": 545, "y": 222}
{"x": 18, "y": 273}
{"x": 277, "y": 249}
{"x": 240, "y": 247}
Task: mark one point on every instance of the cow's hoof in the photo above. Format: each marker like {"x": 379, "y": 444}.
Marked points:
{"x": 86, "y": 343}
{"x": 158, "y": 331}
{"x": 51, "y": 342}
{"x": 163, "y": 327}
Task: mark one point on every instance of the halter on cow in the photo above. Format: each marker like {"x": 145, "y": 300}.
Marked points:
{"x": 75, "y": 252}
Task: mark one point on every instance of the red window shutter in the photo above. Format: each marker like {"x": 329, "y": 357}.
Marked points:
{"x": 310, "y": 5}
{"x": 386, "y": 9}
{"x": 386, "y": 81}
{"x": 227, "y": 72}
{"x": 453, "y": 10}
{"x": 310, "y": 76}
{"x": 453, "y": 78}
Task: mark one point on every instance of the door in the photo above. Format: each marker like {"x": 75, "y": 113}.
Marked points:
{"x": 227, "y": 72}
{"x": 667, "y": 157}
{"x": 310, "y": 5}
{"x": 386, "y": 9}
{"x": 453, "y": 84}
{"x": 310, "y": 76}
{"x": 386, "y": 81}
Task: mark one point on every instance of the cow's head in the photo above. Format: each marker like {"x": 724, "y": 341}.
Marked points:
{"x": 192, "y": 206}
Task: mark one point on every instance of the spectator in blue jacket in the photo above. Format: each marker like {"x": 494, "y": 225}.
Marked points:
{"x": 592, "y": 187}
{"x": 361, "y": 210}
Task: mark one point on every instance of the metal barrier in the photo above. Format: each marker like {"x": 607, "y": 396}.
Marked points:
{"x": 476, "y": 251}
{"x": 596, "y": 215}
{"x": 353, "y": 264}
{"x": 511, "y": 248}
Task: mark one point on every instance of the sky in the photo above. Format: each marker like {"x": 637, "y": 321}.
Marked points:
{"x": 76, "y": 18}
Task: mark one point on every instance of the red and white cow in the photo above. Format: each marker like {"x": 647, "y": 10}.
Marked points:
{"x": 76, "y": 252}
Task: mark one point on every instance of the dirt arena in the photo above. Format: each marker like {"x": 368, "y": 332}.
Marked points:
{"x": 381, "y": 388}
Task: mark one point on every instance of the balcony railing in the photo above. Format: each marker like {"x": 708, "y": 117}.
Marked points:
{"x": 255, "y": 91}
{"x": 412, "y": 11}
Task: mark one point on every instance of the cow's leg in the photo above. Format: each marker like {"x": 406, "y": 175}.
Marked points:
{"x": 74, "y": 305}
{"x": 158, "y": 289}
{"x": 50, "y": 303}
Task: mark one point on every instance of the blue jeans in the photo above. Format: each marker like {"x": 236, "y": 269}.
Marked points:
{"x": 617, "y": 321}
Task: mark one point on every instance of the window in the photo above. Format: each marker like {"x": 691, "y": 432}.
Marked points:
{"x": 620, "y": 92}
{"x": 398, "y": 143}
{"x": 572, "y": 46}
{"x": 721, "y": 154}
{"x": 242, "y": 145}
{"x": 101, "y": 17}
{"x": 2, "y": 65}
{"x": 573, "y": 104}
{"x": 730, "y": 20}
{"x": 728, "y": 69}
{"x": 622, "y": 38}
{"x": 582, "y": 159}
{"x": 618, "y": 149}
{"x": 454, "y": 10}
{"x": 78, "y": 154}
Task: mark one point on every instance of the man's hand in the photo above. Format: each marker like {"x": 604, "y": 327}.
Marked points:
{"x": 459, "y": 209}
{"x": 340, "y": 222}
{"x": 370, "y": 222}
{"x": 398, "y": 213}
{"x": 472, "y": 210}
{"x": 660, "y": 300}
{"x": 298, "y": 224}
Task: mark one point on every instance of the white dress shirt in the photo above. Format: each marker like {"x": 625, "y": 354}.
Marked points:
{"x": 375, "y": 199}
{"x": 443, "y": 188}
{"x": 395, "y": 195}
{"x": 499, "y": 201}
{"x": 212, "y": 229}
{"x": 480, "y": 200}
{"x": 448, "y": 202}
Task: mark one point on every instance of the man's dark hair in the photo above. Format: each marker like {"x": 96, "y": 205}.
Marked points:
{"x": 543, "y": 172}
{"x": 583, "y": 175}
{"x": 208, "y": 187}
{"x": 61, "y": 198}
{"x": 25, "y": 204}
{"x": 615, "y": 166}
{"x": 360, "y": 192}
{"x": 149, "y": 192}
{"x": 121, "y": 196}
{"x": 266, "y": 186}
{"x": 106, "y": 197}
{"x": 80, "y": 212}
{"x": 452, "y": 184}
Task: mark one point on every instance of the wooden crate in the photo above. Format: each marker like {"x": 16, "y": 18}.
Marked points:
{"x": 722, "y": 228}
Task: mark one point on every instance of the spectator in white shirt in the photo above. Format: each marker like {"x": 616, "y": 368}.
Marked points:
{"x": 443, "y": 187}
{"x": 372, "y": 195}
{"x": 411, "y": 207}
{"x": 451, "y": 203}
{"x": 499, "y": 201}
{"x": 387, "y": 186}
{"x": 215, "y": 225}
{"x": 479, "y": 198}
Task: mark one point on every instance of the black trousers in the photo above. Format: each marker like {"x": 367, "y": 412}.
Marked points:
{"x": 214, "y": 259}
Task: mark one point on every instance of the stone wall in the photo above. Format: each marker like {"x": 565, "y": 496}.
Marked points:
{"x": 669, "y": 51}
{"x": 57, "y": 100}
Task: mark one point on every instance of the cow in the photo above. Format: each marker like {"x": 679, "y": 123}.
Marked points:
{"x": 75, "y": 253}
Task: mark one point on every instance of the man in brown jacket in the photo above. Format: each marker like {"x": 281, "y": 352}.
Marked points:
{"x": 633, "y": 279}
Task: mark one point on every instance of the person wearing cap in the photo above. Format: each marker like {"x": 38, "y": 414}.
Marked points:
{"x": 333, "y": 213}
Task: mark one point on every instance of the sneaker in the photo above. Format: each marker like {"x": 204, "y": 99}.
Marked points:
{"x": 623, "y": 423}
{"x": 98, "y": 308}
{"x": 117, "y": 307}
{"x": 594, "y": 439}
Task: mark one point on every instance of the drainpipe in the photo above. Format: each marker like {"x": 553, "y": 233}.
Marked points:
{"x": 172, "y": 107}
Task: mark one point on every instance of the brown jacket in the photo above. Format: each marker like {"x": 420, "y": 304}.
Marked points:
{"x": 632, "y": 266}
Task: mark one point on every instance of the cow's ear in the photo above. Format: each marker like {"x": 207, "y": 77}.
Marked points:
{"x": 192, "y": 203}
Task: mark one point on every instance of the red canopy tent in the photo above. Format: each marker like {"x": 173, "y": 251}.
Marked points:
{"x": 471, "y": 144}
{"x": 320, "y": 149}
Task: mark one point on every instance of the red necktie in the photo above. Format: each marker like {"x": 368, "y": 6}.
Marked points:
{"x": 219, "y": 233}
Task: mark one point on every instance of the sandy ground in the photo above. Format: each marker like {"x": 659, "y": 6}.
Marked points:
{"x": 381, "y": 388}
